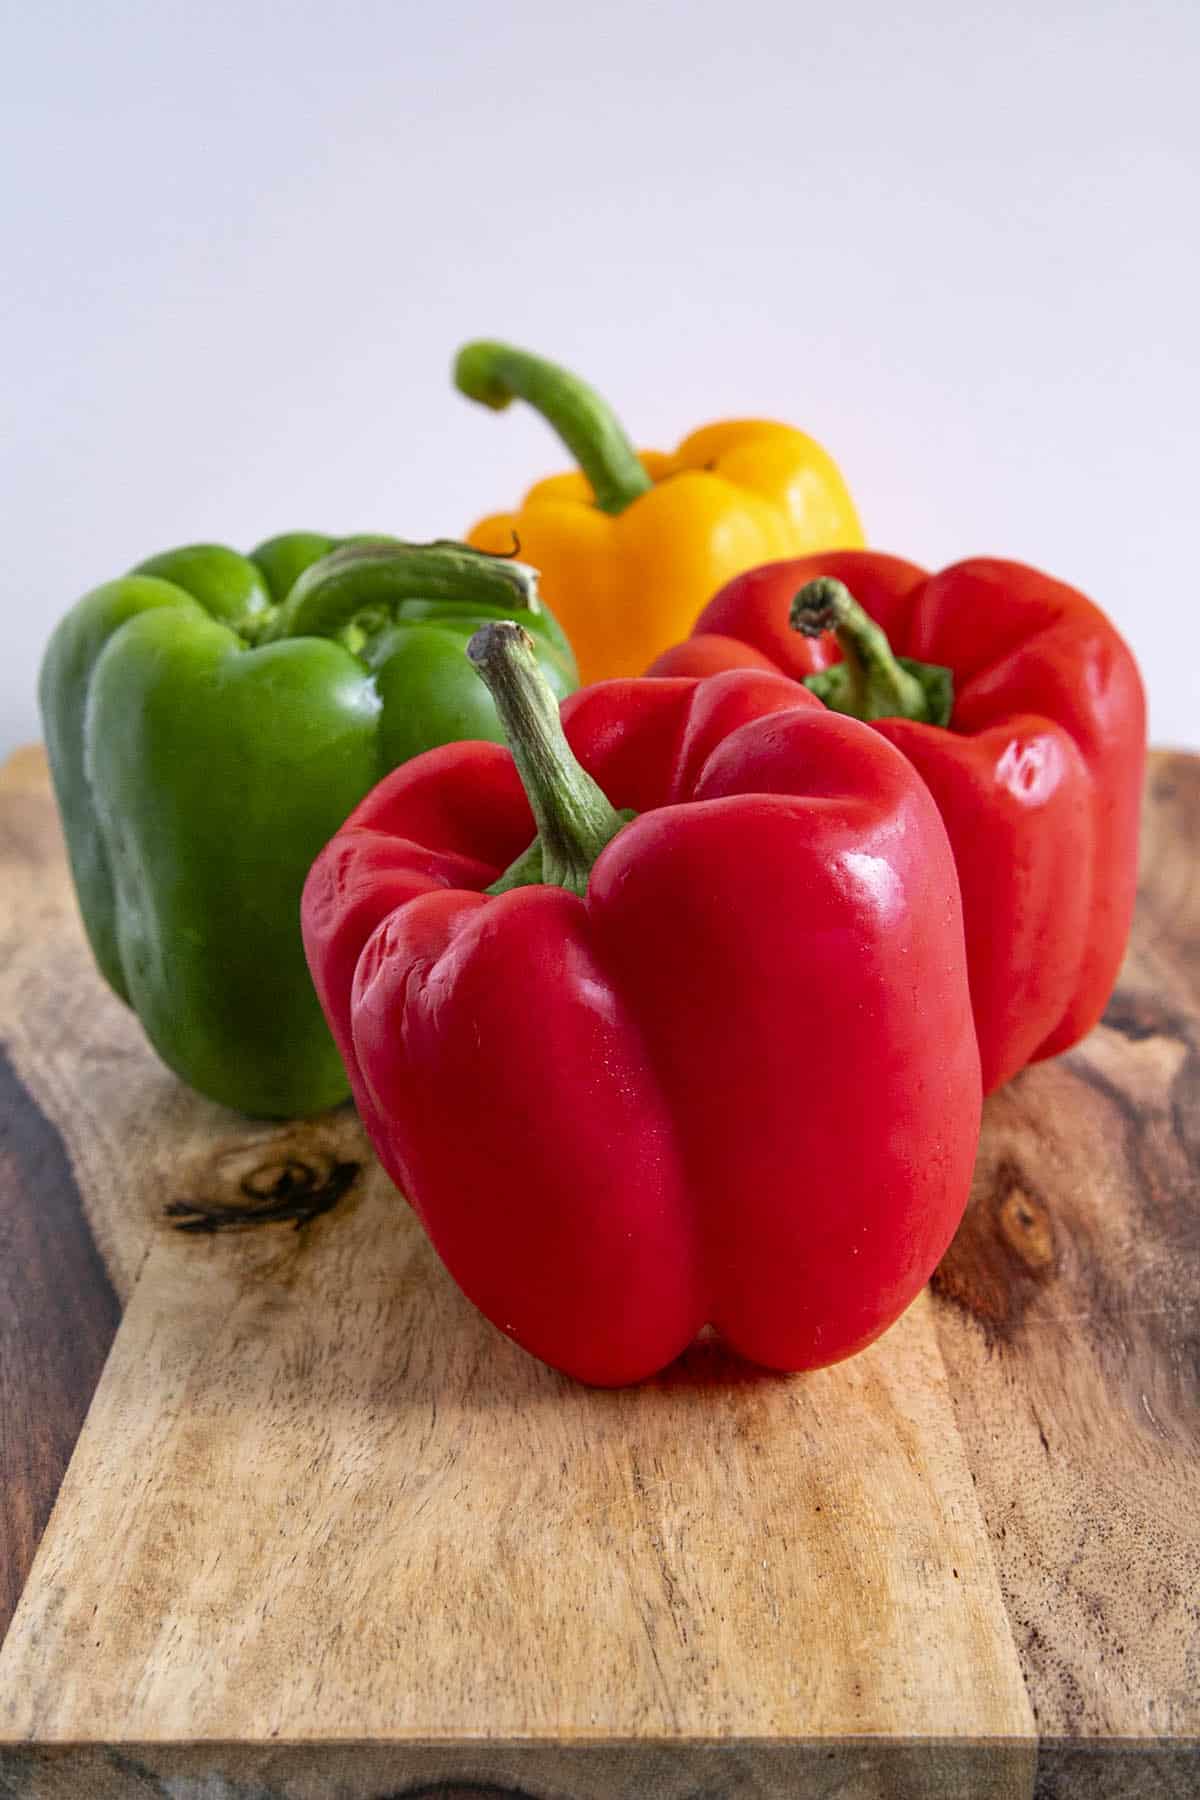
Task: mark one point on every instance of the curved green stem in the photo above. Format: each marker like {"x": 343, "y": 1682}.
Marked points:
{"x": 871, "y": 681}
{"x": 382, "y": 572}
{"x": 496, "y": 374}
{"x": 573, "y": 816}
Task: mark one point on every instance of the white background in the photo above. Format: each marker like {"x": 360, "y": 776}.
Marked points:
{"x": 960, "y": 244}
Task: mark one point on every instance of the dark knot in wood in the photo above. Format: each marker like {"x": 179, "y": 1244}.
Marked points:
{"x": 283, "y": 1188}
{"x": 1138, "y": 1016}
{"x": 1004, "y": 1251}
{"x": 1023, "y": 1221}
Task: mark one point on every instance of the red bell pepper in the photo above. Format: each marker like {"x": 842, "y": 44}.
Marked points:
{"x": 712, "y": 1066}
{"x": 1022, "y": 709}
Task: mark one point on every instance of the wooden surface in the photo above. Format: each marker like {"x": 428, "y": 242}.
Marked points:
{"x": 325, "y": 1532}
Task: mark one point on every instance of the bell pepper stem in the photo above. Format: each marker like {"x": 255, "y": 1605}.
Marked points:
{"x": 496, "y": 374}
{"x": 871, "y": 681}
{"x": 380, "y": 573}
{"x": 574, "y": 818}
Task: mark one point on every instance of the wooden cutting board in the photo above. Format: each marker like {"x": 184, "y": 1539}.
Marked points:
{"x": 325, "y": 1532}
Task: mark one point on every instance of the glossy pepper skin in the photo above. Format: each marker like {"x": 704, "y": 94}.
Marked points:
{"x": 1038, "y": 776}
{"x": 630, "y": 547}
{"x": 722, "y": 1071}
{"x": 210, "y": 720}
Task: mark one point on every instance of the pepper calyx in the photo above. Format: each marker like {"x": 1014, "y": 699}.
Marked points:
{"x": 871, "y": 681}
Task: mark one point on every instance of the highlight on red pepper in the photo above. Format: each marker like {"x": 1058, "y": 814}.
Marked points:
{"x": 659, "y": 1017}
{"x": 1022, "y": 709}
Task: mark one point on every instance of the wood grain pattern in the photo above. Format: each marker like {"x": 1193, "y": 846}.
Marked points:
{"x": 324, "y": 1430}
{"x": 318, "y": 1499}
{"x": 58, "y": 1312}
{"x": 1067, "y": 1315}
{"x": 718, "y": 1771}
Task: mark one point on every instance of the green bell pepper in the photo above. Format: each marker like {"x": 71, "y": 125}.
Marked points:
{"x": 210, "y": 721}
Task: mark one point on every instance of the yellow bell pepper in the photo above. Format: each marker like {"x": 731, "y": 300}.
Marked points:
{"x": 630, "y": 547}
